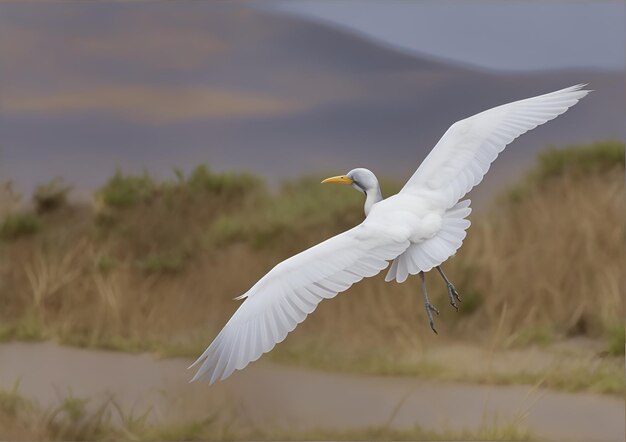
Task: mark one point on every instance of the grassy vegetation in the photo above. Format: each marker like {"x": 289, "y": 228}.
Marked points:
{"x": 605, "y": 380}
{"x": 570, "y": 373}
{"x": 153, "y": 266}
{"x": 616, "y": 340}
{"x": 577, "y": 161}
{"x": 80, "y": 420}
{"x": 582, "y": 160}
{"x": 11, "y": 403}
{"x": 124, "y": 191}
{"x": 51, "y": 196}
{"x": 506, "y": 432}
{"x": 16, "y": 225}
{"x": 542, "y": 334}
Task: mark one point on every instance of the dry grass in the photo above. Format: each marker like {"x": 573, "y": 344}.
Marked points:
{"x": 554, "y": 259}
{"x": 81, "y": 419}
{"x": 154, "y": 266}
{"x": 9, "y": 198}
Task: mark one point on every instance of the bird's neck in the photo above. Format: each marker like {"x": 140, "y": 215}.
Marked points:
{"x": 374, "y": 195}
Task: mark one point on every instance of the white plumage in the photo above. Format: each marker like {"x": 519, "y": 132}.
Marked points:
{"x": 418, "y": 229}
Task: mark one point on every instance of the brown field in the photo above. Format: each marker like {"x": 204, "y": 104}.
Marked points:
{"x": 153, "y": 266}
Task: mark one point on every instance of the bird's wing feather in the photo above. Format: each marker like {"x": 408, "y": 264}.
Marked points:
{"x": 290, "y": 291}
{"x": 463, "y": 155}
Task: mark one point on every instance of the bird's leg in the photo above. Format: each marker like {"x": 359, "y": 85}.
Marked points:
{"x": 453, "y": 295}
{"x": 429, "y": 307}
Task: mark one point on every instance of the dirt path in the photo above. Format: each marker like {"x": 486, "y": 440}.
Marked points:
{"x": 269, "y": 395}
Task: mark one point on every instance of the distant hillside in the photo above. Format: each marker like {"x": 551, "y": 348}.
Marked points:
{"x": 350, "y": 101}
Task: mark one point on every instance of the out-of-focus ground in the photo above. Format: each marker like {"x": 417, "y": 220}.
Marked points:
{"x": 536, "y": 349}
{"x": 267, "y": 397}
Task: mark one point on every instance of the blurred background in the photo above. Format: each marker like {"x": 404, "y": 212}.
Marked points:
{"x": 157, "y": 158}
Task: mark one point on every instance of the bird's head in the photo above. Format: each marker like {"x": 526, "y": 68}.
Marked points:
{"x": 361, "y": 179}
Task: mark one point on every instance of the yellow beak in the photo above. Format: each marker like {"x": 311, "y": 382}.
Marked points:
{"x": 340, "y": 179}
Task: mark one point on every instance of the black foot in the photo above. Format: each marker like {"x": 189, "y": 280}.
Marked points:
{"x": 429, "y": 312}
{"x": 453, "y": 295}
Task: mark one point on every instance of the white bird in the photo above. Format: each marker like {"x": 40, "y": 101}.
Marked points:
{"x": 418, "y": 229}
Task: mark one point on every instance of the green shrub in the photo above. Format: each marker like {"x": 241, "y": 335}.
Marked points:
{"x": 582, "y": 159}
{"x": 577, "y": 160}
{"x": 122, "y": 191}
{"x": 126, "y": 191}
{"x": 232, "y": 184}
{"x": 19, "y": 224}
{"x": 51, "y": 196}
{"x": 293, "y": 216}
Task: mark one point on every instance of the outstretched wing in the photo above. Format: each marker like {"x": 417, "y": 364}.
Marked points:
{"x": 290, "y": 291}
{"x": 460, "y": 160}
{"x": 463, "y": 155}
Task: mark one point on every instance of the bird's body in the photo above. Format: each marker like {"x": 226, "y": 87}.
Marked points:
{"x": 421, "y": 216}
{"x": 416, "y": 230}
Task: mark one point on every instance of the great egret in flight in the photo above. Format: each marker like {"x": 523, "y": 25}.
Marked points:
{"x": 418, "y": 229}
